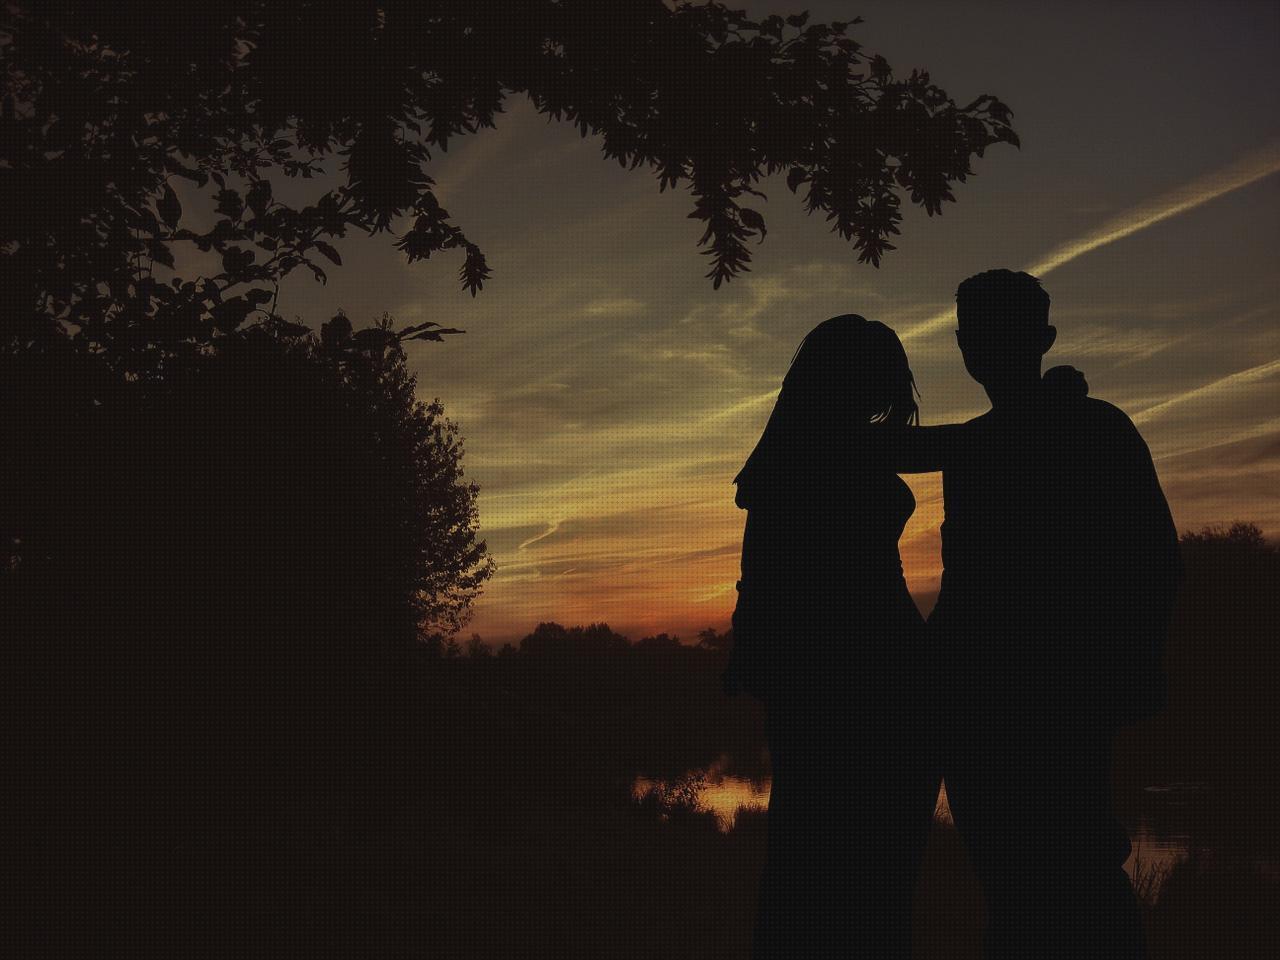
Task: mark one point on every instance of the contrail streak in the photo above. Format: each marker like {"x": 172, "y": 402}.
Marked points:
{"x": 1237, "y": 379}
{"x": 1250, "y": 168}
{"x": 1266, "y": 428}
{"x": 542, "y": 536}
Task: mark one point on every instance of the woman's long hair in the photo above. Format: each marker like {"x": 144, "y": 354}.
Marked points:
{"x": 848, "y": 371}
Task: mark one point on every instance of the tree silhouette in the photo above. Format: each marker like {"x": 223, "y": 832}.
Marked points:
{"x": 114, "y": 112}
{"x": 1224, "y": 669}
{"x": 282, "y": 419}
{"x": 226, "y": 537}
{"x": 214, "y": 582}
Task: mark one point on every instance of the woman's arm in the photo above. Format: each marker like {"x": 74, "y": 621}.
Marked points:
{"x": 907, "y": 449}
{"x": 910, "y": 449}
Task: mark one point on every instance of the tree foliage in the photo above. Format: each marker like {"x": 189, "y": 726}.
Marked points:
{"x": 222, "y": 532}
{"x": 114, "y": 114}
{"x": 213, "y": 585}
{"x": 282, "y": 474}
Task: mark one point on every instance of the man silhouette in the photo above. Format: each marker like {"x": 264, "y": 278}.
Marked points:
{"x": 1060, "y": 564}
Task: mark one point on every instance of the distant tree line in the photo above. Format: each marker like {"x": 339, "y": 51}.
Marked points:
{"x": 655, "y": 706}
{"x": 1223, "y": 664}
{"x": 554, "y": 640}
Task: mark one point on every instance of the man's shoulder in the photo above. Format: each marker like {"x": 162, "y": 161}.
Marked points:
{"x": 1098, "y": 414}
{"x": 1100, "y": 433}
{"x": 1098, "y": 407}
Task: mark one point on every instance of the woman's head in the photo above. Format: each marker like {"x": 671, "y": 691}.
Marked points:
{"x": 850, "y": 369}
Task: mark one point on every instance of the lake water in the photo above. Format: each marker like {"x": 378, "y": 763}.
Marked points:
{"x": 1155, "y": 848}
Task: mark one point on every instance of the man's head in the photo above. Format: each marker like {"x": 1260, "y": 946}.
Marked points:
{"x": 1004, "y": 330}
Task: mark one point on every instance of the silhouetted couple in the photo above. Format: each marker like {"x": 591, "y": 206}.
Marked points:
{"x": 1060, "y": 566}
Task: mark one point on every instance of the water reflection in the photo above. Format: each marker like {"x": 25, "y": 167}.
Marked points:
{"x": 724, "y": 795}
{"x": 1156, "y": 847}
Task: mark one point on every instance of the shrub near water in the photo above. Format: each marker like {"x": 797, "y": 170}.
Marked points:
{"x": 220, "y": 572}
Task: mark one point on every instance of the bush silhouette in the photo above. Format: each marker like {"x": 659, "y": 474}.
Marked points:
{"x": 218, "y": 579}
{"x": 1224, "y": 669}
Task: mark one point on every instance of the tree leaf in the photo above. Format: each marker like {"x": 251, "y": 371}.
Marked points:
{"x": 168, "y": 206}
{"x": 259, "y": 197}
{"x": 159, "y": 251}
{"x": 371, "y": 338}
{"x": 336, "y": 331}
{"x": 753, "y": 220}
{"x": 329, "y": 252}
{"x": 229, "y": 314}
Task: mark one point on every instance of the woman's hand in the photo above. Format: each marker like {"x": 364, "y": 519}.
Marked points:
{"x": 1066, "y": 383}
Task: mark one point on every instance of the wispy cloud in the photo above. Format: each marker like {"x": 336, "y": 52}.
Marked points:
{"x": 615, "y": 307}
{"x": 1248, "y": 169}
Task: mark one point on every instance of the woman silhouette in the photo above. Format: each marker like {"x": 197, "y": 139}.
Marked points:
{"x": 826, "y": 634}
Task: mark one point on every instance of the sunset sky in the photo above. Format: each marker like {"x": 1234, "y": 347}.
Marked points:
{"x": 608, "y": 394}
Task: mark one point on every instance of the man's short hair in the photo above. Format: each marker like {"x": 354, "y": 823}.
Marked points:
{"x": 1002, "y": 299}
